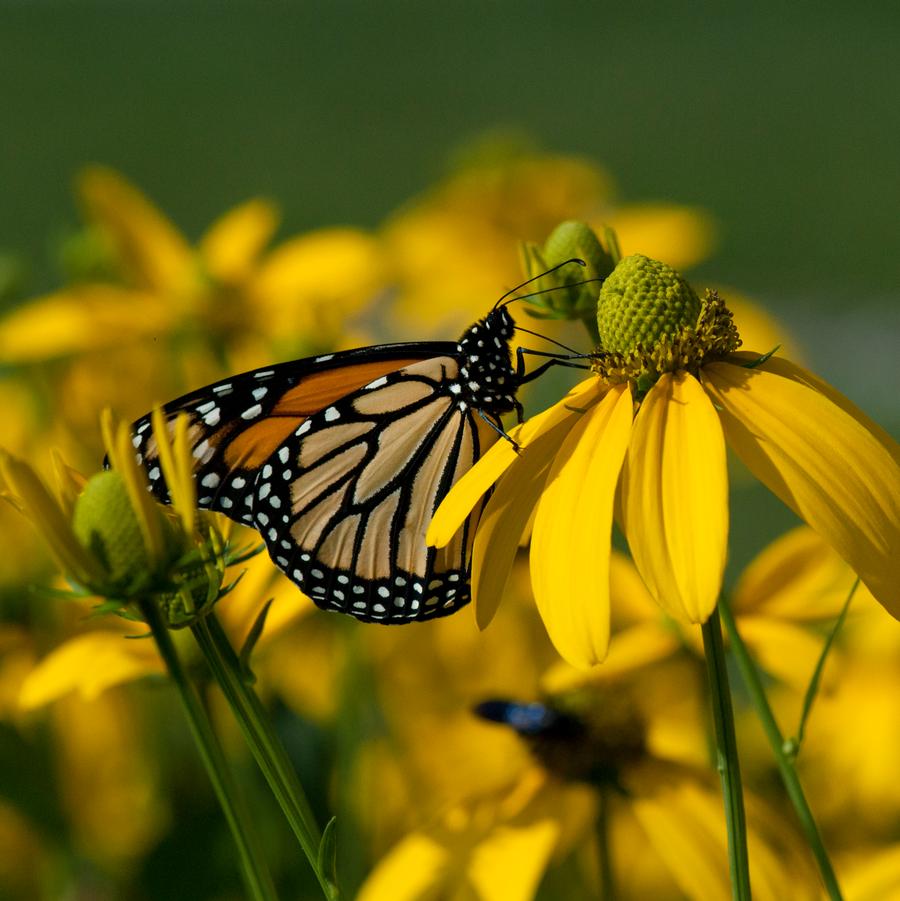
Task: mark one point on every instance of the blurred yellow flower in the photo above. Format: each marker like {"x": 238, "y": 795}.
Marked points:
{"x": 663, "y": 472}
{"x": 456, "y": 245}
{"x": 227, "y": 292}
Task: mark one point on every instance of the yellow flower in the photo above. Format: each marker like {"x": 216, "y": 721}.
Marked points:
{"x": 645, "y": 438}
{"x": 452, "y": 247}
{"x": 227, "y": 290}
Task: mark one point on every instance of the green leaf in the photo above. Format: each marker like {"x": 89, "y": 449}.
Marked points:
{"x": 250, "y": 643}
{"x": 327, "y": 859}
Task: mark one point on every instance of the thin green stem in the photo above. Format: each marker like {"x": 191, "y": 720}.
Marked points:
{"x": 253, "y": 866}
{"x": 267, "y": 749}
{"x": 727, "y": 758}
{"x": 753, "y": 683}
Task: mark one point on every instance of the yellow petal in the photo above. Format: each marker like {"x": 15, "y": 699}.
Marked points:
{"x": 822, "y": 462}
{"x": 89, "y": 664}
{"x": 466, "y": 493}
{"x": 509, "y": 863}
{"x": 682, "y": 236}
{"x": 570, "y": 545}
{"x": 778, "y": 365}
{"x": 81, "y": 319}
{"x": 39, "y": 505}
{"x": 675, "y": 498}
{"x": 873, "y": 877}
{"x": 415, "y": 865}
{"x": 784, "y": 650}
{"x": 233, "y": 243}
{"x": 631, "y": 649}
{"x": 508, "y": 511}
{"x": 151, "y": 248}
{"x": 798, "y": 577}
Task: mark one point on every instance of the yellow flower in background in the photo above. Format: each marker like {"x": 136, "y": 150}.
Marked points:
{"x": 227, "y": 289}
{"x": 456, "y": 248}
{"x": 671, "y": 358}
{"x": 493, "y": 849}
{"x": 794, "y": 586}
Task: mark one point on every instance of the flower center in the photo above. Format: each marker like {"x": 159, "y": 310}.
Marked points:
{"x": 651, "y": 321}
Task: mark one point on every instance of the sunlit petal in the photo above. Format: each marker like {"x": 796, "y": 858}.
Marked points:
{"x": 822, "y": 462}
{"x": 154, "y": 252}
{"x": 407, "y": 872}
{"x": 466, "y": 493}
{"x": 778, "y": 365}
{"x": 509, "y": 863}
{"x": 570, "y": 545}
{"x": 231, "y": 246}
{"x": 675, "y": 497}
{"x": 89, "y": 664}
{"x": 508, "y": 511}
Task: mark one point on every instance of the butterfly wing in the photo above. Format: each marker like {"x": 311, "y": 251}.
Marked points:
{"x": 345, "y": 501}
{"x": 237, "y": 424}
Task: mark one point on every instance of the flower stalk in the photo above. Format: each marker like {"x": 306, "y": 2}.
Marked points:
{"x": 727, "y": 760}
{"x": 253, "y": 867}
{"x": 267, "y": 749}
{"x": 782, "y": 751}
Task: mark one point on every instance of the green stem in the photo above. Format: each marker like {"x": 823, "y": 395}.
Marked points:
{"x": 727, "y": 758}
{"x": 752, "y": 681}
{"x": 265, "y": 745}
{"x": 256, "y": 874}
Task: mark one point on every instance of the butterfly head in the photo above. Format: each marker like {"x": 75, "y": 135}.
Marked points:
{"x": 487, "y": 377}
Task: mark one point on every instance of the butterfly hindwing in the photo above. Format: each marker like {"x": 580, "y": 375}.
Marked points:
{"x": 345, "y": 502}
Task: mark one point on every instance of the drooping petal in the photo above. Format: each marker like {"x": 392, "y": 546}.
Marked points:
{"x": 675, "y": 497}
{"x": 508, "y": 511}
{"x": 822, "y": 462}
{"x": 783, "y": 367}
{"x": 153, "y": 250}
{"x": 233, "y": 243}
{"x": 465, "y": 494}
{"x": 570, "y": 545}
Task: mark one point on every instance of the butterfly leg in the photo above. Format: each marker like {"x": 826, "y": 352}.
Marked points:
{"x": 497, "y": 426}
{"x": 554, "y": 360}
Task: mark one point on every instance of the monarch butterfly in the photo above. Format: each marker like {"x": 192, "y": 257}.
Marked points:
{"x": 340, "y": 461}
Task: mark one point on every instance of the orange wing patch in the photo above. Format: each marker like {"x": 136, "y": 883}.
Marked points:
{"x": 252, "y": 447}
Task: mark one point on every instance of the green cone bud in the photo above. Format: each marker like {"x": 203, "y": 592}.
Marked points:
{"x": 105, "y": 523}
{"x": 569, "y": 240}
{"x": 642, "y": 301}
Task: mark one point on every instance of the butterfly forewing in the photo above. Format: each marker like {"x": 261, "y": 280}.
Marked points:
{"x": 341, "y": 460}
{"x": 236, "y": 425}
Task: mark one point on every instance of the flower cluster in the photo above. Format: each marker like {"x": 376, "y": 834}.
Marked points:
{"x": 499, "y": 763}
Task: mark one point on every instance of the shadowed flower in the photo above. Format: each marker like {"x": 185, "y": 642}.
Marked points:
{"x": 644, "y": 438}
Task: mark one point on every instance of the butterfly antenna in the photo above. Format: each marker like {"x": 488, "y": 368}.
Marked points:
{"x": 534, "y": 278}
{"x": 528, "y": 331}
{"x": 587, "y": 281}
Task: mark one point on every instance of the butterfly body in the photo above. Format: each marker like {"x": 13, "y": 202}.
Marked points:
{"x": 340, "y": 461}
